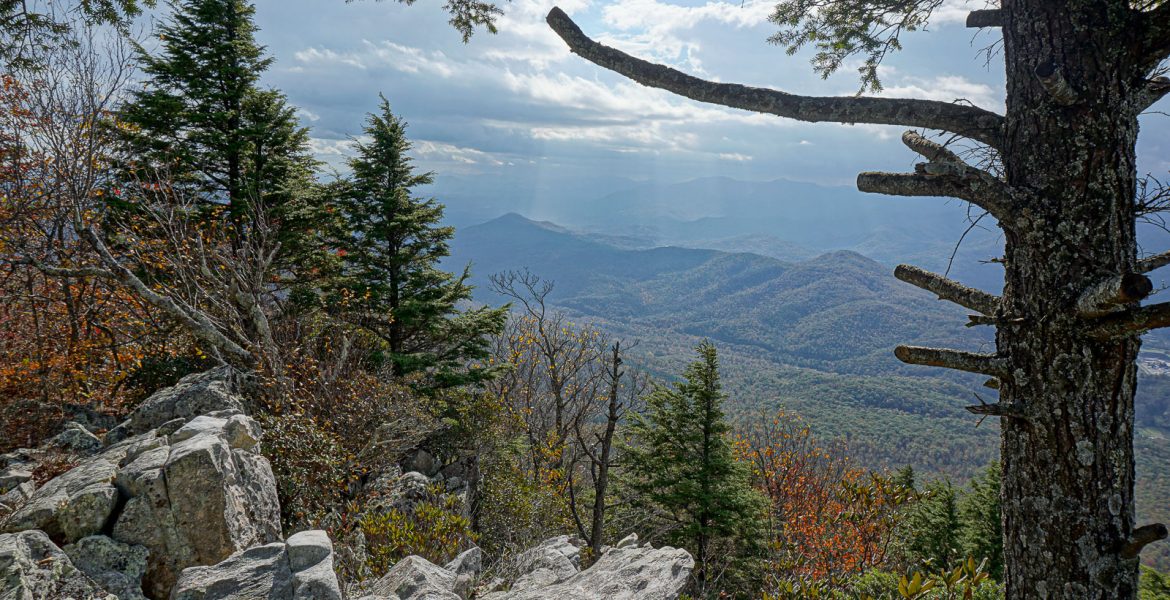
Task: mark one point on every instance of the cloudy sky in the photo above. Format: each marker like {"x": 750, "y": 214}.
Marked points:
{"x": 518, "y": 105}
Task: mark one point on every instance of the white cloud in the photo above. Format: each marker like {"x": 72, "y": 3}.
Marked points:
{"x": 650, "y": 29}
{"x": 946, "y": 88}
{"x": 381, "y": 54}
{"x": 442, "y": 151}
{"x": 735, "y": 156}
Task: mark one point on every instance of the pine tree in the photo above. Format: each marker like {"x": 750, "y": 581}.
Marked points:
{"x": 390, "y": 247}
{"x": 681, "y": 460}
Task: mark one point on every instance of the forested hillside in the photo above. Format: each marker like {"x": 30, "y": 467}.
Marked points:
{"x": 815, "y": 336}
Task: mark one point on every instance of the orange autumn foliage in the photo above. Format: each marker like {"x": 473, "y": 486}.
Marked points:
{"x": 65, "y": 342}
{"x": 829, "y": 519}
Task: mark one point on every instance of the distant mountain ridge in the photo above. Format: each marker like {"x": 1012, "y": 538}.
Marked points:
{"x": 813, "y": 335}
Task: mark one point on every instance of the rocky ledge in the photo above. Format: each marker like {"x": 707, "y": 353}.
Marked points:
{"x": 177, "y": 502}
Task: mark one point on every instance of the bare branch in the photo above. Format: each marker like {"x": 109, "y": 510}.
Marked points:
{"x": 196, "y": 322}
{"x": 1142, "y": 537}
{"x": 947, "y": 289}
{"x": 971, "y": 362}
{"x": 991, "y": 17}
{"x": 972, "y": 122}
{"x": 1133, "y": 321}
{"x": 1113, "y": 294}
{"x": 1155, "y": 90}
{"x": 1056, "y": 85}
{"x": 932, "y": 151}
{"x": 80, "y": 272}
{"x": 1150, "y": 263}
{"x": 957, "y": 181}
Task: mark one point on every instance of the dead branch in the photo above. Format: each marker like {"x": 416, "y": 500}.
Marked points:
{"x": 1150, "y": 263}
{"x": 1056, "y": 85}
{"x": 1113, "y": 294}
{"x": 959, "y": 360}
{"x": 972, "y": 122}
{"x": 947, "y": 289}
{"x": 1142, "y": 537}
{"x": 1133, "y": 321}
{"x": 972, "y": 185}
{"x": 930, "y": 150}
{"x": 992, "y": 17}
{"x": 1155, "y": 90}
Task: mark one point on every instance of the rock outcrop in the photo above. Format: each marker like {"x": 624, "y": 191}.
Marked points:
{"x": 620, "y": 574}
{"x": 32, "y": 567}
{"x": 300, "y": 568}
{"x": 178, "y": 503}
{"x": 191, "y": 489}
{"x": 547, "y": 571}
{"x": 194, "y": 395}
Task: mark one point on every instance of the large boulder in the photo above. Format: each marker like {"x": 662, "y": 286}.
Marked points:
{"x": 73, "y": 505}
{"x": 620, "y": 574}
{"x": 554, "y": 560}
{"x": 197, "y": 496}
{"x": 191, "y": 497}
{"x": 33, "y": 568}
{"x": 196, "y": 394}
{"x": 414, "y": 578}
{"x": 118, "y": 568}
{"x": 300, "y": 568}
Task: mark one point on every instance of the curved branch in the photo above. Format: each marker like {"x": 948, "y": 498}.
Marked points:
{"x": 975, "y": 123}
{"x": 195, "y": 322}
{"x": 956, "y": 181}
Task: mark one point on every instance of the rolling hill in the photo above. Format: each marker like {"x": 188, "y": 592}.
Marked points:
{"x": 815, "y": 336}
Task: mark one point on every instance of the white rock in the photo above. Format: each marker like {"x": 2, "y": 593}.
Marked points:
{"x": 414, "y": 578}
{"x": 33, "y": 568}
{"x": 620, "y": 574}
{"x": 299, "y": 569}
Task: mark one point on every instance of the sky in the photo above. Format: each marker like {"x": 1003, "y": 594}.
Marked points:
{"x": 518, "y": 105}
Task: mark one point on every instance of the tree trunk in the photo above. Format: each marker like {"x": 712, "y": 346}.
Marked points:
{"x": 1068, "y": 464}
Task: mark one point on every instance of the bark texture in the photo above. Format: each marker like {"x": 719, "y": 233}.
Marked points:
{"x": 1068, "y": 467}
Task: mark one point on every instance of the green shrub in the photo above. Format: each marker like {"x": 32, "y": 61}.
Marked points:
{"x": 434, "y": 529}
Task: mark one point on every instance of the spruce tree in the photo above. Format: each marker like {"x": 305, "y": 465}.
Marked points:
{"x": 681, "y": 460}
{"x": 202, "y": 127}
{"x": 197, "y": 119}
{"x": 390, "y": 247}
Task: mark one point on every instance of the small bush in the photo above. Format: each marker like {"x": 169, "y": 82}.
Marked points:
{"x": 434, "y": 529}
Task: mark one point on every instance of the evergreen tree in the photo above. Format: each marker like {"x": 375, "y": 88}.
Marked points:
{"x": 202, "y": 127}
{"x": 982, "y": 530}
{"x": 390, "y": 247}
{"x": 681, "y": 460}
{"x": 932, "y": 527}
{"x": 202, "y": 121}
